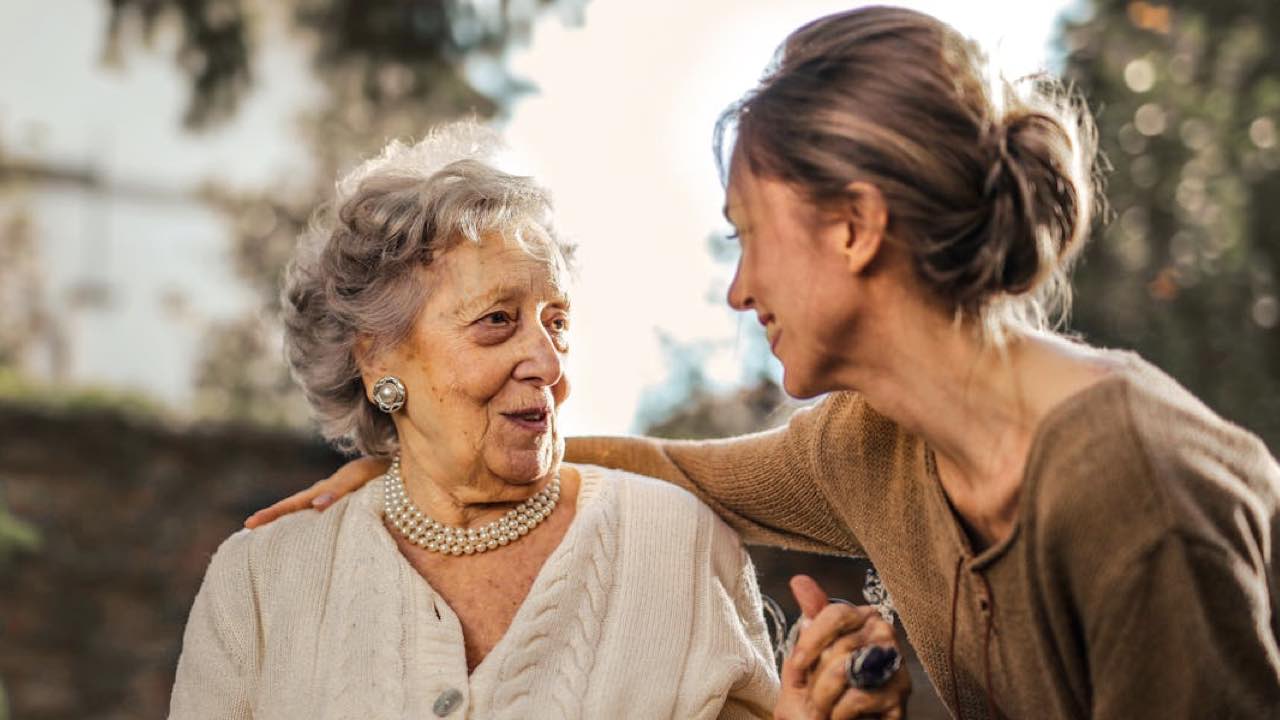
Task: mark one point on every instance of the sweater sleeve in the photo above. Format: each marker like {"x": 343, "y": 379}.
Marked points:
{"x": 1185, "y": 633}
{"x": 214, "y": 676}
{"x": 754, "y": 695}
{"x": 767, "y": 486}
{"x": 1167, "y": 519}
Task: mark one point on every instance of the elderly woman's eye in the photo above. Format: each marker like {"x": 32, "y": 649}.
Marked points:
{"x": 559, "y": 324}
{"x": 499, "y": 317}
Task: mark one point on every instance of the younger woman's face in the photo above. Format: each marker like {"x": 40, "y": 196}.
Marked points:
{"x": 792, "y": 274}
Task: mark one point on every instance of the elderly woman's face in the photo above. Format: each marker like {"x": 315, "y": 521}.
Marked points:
{"x": 483, "y": 366}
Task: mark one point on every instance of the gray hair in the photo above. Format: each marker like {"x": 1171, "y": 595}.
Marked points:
{"x": 353, "y": 275}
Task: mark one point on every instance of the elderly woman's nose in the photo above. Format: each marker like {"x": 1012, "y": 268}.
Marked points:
{"x": 541, "y": 360}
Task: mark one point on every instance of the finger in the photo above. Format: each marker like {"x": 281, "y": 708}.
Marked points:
{"x": 828, "y": 681}
{"x": 855, "y": 703}
{"x": 889, "y": 701}
{"x": 293, "y": 503}
{"x": 875, "y": 631}
{"x": 793, "y": 706}
{"x": 794, "y": 674}
{"x": 320, "y": 495}
{"x": 833, "y": 621}
{"x": 809, "y": 595}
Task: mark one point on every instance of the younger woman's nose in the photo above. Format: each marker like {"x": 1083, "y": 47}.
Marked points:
{"x": 739, "y": 299}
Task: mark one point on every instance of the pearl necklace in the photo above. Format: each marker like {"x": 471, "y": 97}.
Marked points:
{"x": 434, "y": 536}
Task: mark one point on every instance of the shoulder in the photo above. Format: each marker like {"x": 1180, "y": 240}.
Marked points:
{"x": 677, "y": 514}
{"x": 842, "y": 436}
{"x": 1136, "y": 457}
{"x": 1182, "y": 438}
{"x": 295, "y": 544}
{"x": 846, "y": 418}
{"x": 633, "y": 493}
{"x": 645, "y": 494}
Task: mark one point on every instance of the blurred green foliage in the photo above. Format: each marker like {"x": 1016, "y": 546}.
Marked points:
{"x": 15, "y": 535}
{"x": 1188, "y": 103}
{"x": 389, "y": 68}
{"x": 23, "y": 313}
{"x": 17, "y": 388}
{"x": 1187, "y": 97}
{"x": 1186, "y": 269}
{"x": 386, "y": 51}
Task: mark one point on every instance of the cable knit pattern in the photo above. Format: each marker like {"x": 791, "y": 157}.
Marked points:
{"x": 647, "y": 609}
{"x": 579, "y": 575}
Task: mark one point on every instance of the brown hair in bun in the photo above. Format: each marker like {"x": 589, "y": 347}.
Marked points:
{"x": 989, "y": 186}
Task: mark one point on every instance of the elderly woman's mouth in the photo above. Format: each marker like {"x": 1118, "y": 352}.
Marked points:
{"x": 536, "y": 419}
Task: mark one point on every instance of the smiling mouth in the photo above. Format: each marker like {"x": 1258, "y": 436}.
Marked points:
{"x": 532, "y": 419}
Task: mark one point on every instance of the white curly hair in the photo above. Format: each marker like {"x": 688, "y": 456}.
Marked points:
{"x": 352, "y": 275}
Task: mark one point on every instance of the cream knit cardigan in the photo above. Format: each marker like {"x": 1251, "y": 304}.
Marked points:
{"x": 649, "y": 608}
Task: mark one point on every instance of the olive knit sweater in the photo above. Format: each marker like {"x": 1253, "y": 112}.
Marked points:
{"x": 1140, "y": 581}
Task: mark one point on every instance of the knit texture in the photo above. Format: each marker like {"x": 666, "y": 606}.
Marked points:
{"x": 1141, "y": 579}
{"x": 648, "y": 608}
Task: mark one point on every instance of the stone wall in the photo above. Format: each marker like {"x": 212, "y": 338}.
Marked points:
{"x": 129, "y": 513}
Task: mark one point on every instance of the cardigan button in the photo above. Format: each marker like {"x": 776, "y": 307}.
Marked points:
{"x": 448, "y": 701}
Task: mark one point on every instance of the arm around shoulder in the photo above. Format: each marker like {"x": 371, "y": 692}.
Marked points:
{"x": 219, "y": 647}
{"x": 768, "y": 486}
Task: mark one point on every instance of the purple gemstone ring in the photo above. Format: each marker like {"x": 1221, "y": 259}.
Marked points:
{"x": 871, "y": 666}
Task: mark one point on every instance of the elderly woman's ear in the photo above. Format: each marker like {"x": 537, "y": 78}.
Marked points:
{"x": 380, "y": 386}
{"x": 370, "y": 370}
{"x": 373, "y": 362}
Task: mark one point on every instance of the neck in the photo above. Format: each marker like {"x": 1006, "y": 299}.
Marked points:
{"x": 458, "y": 496}
{"x": 978, "y": 407}
{"x": 939, "y": 383}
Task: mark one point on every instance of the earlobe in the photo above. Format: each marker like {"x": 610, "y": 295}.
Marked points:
{"x": 868, "y": 218}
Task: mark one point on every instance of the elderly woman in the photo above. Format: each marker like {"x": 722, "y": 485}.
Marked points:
{"x": 481, "y": 577}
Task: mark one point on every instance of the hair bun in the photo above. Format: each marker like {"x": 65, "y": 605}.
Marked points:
{"x": 989, "y": 188}
{"x": 1034, "y": 204}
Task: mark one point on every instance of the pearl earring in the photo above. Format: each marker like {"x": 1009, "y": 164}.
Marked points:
{"x": 389, "y": 394}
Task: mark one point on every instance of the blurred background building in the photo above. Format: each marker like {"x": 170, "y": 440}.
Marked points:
{"x": 158, "y": 157}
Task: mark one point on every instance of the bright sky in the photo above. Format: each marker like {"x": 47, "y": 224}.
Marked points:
{"x": 620, "y": 130}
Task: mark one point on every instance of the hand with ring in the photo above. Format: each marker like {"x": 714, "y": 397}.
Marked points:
{"x": 845, "y": 664}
